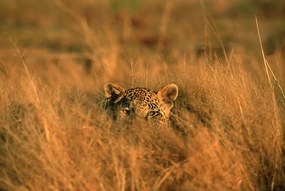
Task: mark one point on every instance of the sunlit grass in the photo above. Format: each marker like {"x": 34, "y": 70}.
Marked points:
{"x": 226, "y": 132}
{"x": 226, "y": 128}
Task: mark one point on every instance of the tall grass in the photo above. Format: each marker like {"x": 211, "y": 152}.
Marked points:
{"x": 226, "y": 132}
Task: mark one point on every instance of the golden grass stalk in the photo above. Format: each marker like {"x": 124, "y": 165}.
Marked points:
{"x": 266, "y": 64}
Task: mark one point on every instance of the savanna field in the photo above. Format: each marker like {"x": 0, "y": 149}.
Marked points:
{"x": 226, "y": 130}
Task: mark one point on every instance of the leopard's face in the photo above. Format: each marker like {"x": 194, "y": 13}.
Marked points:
{"x": 142, "y": 103}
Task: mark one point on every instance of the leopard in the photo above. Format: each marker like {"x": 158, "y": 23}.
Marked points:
{"x": 140, "y": 103}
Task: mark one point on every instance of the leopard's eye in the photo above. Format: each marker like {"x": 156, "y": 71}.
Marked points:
{"x": 126, "y": 111}
{"x": 152, "y": 113}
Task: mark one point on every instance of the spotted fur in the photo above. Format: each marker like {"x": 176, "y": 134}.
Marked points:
{"x": 140, "y": 103}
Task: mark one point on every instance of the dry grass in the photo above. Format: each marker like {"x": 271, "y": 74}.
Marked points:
{"x": 226, "y": 130}
{"x": 227, "y": 133}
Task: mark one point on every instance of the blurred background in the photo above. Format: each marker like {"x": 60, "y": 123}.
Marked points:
{"x": 117, "y": 31}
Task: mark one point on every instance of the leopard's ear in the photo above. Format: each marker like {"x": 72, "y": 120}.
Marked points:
{"x": 168, "y": 94}
{"x": 113, "y": 91}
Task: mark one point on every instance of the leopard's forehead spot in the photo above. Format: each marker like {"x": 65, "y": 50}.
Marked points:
{"x": 142, "y": 94}
{"x": 142, "y": 100}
